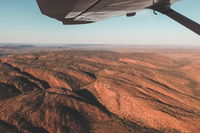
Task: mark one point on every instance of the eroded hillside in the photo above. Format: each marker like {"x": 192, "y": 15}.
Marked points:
{"x": 99, "y": 92}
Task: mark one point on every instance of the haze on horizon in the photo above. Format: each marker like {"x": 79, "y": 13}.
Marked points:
{"x": 22, "y": 22}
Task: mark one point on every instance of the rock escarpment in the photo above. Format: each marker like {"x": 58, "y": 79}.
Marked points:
{"x": 98, "y": 92}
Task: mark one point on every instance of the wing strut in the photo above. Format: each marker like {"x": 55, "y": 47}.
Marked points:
{"x": 190, "y": 24}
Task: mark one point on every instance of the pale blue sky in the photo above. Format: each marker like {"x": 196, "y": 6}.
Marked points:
{"x": 22, "y": 22}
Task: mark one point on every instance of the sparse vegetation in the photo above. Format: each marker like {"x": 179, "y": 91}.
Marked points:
{"x": 78, "y": 91}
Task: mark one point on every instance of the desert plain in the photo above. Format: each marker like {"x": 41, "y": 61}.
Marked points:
{"x": 90, "y": 89}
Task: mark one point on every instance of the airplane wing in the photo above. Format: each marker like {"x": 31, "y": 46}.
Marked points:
{"x": 89, "y": 11}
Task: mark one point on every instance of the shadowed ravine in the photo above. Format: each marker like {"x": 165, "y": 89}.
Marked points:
{"x": 76, "y": 91}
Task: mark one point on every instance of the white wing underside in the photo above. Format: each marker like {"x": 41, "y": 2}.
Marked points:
{"x": 89, "y": 11}
{"x": 107, "y": 9}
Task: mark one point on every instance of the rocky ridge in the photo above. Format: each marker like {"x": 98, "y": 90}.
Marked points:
{"x": 99, "y": 91}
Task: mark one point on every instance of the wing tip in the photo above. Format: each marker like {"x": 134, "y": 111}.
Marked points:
{"x": 73, "y": 22}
